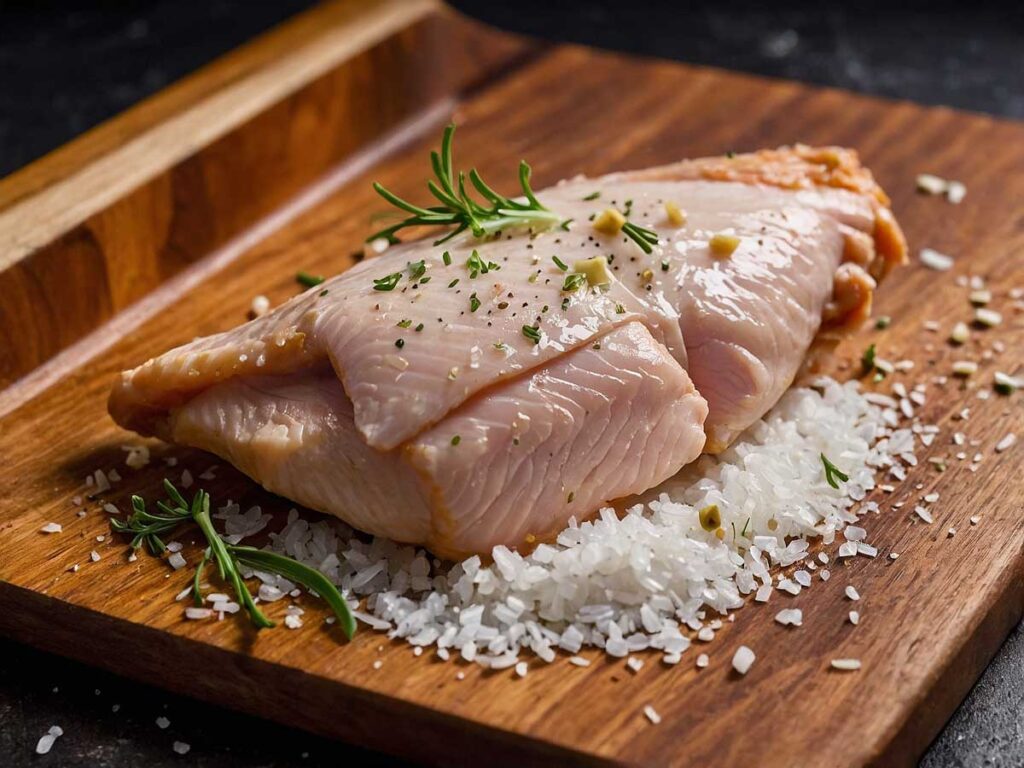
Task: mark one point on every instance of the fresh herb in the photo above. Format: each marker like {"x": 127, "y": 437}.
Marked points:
{"x": 324, "y": 292}
{"x": 388, "y": 282}
{"x": 500, "y": 346}
{"x": 593, "y": 196}
{"x": 573, "y": 282}
{"x": 867, "y": 360}
{"x": 474, "y": 303}
{"x": 461, "y": 211}
{"x": 456, "y": 439}
{"x": 478, "y": 266}
{"x": 619, "y": 309}
{"x": 446, "y": 258}
{"x": 147, "y": 528}
{"x": 832, "y": 472}
{"x": 453, "y": 283}
{"x": 745, "y": 526}
{"x": 883, "y": 322}
{"x": 565, "y": 224}
{"x": 404, "y": 323}
{"x": 416, "y": 269}
{"x": 643, "y": 237}
{"x": 665, "y": 264}
{"x": 424, "y": 280}
{"x": 308, "y": 280}
{"x": 560, "y": 264}
{"x": 532, "y": 332}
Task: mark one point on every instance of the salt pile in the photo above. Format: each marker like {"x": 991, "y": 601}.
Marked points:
{"x": 649, "y": 578}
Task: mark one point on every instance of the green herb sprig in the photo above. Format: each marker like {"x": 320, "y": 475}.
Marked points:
{"x": 459, "y": 209}
{"x": 147, "y": 528}
{"x": 643, "y": 237}
{"x": 833, "y": 473}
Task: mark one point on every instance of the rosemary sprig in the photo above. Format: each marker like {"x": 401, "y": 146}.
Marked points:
{"x": 459, "y": 209}
{"x": 643, "y": 237}
{"x": 833, "y": 473}
{"x": 146, "y": 527}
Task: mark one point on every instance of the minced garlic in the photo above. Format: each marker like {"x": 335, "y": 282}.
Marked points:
{"x": 609, "y": 222}
{"x": 710, "y": 518}
{"x": 723, "y": 245}
{"x": 675, "y": 216}
{"x": 595, "y": 270}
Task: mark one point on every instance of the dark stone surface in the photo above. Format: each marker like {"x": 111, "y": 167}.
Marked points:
{"x": 66, "y": 67}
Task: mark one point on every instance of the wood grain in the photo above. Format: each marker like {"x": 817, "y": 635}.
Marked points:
{"x": 96, "y": 226}
{"x": 931, "y": 619}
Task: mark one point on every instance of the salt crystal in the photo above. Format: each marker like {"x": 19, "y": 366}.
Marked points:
{"x": 743, "y": 659}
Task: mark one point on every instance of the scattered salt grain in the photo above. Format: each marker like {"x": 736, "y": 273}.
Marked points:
{"x": 46, "y": 741}
{"x": 651, "y": 714}
{"x": 634, "y": 664}
{"x": 987, "y": 317}
{"x": 793, "y": 617}
{"x": 94, "y": 556}
{"x": 579, "y": 661}
{"x": 1006, "y": 443}
{"x": 181, "y": 747}
{"x": 186, "y": 479}
{"x": 702, "y": 661}
{"x": 51, "y": 528}
{"x": 292, "y": 621}
{"x": 846, "y": 665}
{"x": 854, "y": 618}
{"x": 851, "y": 592}
{"x": 162, "y": 723}
{"x": 177, "y": 561}
{"x": 195, "y": 614}
{"x": 924, "y": 514}
{"x": 975, "y": 520}
{"x": 935, "y": 260}
{"x": 260, "y": 305}
{"x": 743, "y": 659}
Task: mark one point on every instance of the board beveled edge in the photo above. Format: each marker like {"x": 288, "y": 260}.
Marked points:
{"x": 416, "y": 732}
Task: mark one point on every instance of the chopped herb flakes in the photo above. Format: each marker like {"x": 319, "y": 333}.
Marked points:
{"x": 417, "y": 268}
{"x": 308, "y": 280}
{"x": 456, "y": 439}
{"x": 832, "y": 472}
{"x": 388, "y": 282}
{"x": 474, "y": 303}
{"x": 532, "y": 332}
{"x": 867, "y": 360}
{"x": 446, "y": 258}
{"x": 592, "y": 196}
{"x": 404, "y": 323}
{"x": 560, "y": 264}
{"x": 573, "y": 282}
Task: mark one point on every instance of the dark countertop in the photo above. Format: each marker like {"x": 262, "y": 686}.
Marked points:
{"x": 65, "y": 68}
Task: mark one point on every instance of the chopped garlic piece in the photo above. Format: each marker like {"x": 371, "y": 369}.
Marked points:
{"x": 723, "y": 245}
{"x": 610, "y": 222}
{"x": 675, "y": 216}
{"x": 595, "y": 270}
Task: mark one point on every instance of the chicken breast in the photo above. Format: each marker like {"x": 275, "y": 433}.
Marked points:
{"x": 465, "y": 395}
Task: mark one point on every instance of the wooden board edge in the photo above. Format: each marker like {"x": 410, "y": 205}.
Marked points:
{"x": 938, "y": 702}
{"x": 90, "y": 244}
{"x": 269, "y": 53}
{"x": 420, "y": 733}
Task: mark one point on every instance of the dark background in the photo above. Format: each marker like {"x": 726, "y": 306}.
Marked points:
{"x": 65, "y": 67}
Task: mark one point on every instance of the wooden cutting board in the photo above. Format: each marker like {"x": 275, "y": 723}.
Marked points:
{"x": 163, "y": 224}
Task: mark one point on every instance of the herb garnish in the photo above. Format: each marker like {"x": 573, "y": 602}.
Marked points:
{"x": 574, "y": 282}
{"x": 560, "y": 264}
{"x": 593, "y": 196}
{"x": 308, "y": 280}
{"x": 456, "y": 440}
{"x": 643, "y": 237}
{"x": 459, "y": 209}
{"x": 867, "y": 360}
{"x": 474, "y": 303}
{"x": 532, "y": 332}
{"x": 388, "y": 282}
{"x": 446, "y": 258}
{"x": 832, "y": 472}
{"x": 146, "y": 528}
{"x": 416, "y": 269}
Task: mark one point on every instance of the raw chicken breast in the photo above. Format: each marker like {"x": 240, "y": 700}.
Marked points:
{"x": 349, "y": 398}
{"x": 493, "y": 472}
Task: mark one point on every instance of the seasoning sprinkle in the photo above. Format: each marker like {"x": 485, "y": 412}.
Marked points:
{"x": 560, "y": 264}
{"x": 388, "y": 282}
{"x": 832, "y": 472}
{"x": 308, "y": 280}
{"x": 532, "y": 332}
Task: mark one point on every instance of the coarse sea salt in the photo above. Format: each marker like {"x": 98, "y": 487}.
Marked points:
{"x": 647, "y": 579}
